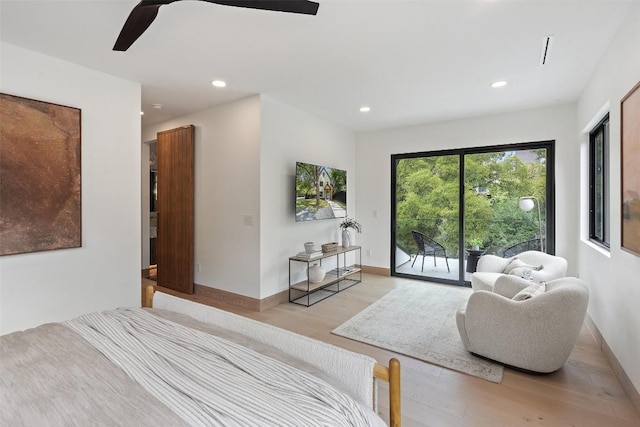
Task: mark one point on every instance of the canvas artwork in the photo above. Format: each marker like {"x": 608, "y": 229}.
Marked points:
{"x": 630, "y": 142}
{"x": 40, "y": 206}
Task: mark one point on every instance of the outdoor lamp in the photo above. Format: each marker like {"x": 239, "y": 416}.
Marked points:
{"x": 526, "y": 204}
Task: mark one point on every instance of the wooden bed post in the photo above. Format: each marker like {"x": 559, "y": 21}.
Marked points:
{"x": 395, "y": 412}
{"x": 391, "y": 375}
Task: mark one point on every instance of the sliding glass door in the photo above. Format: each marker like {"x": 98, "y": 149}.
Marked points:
{"x": 427, "y": 219}
{"x": 450, "y": 207}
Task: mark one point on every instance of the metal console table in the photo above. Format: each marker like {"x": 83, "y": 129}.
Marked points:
{"x": 337, "y": 279}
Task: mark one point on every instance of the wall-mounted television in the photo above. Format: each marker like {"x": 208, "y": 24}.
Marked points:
{"x": 321, "y": 192}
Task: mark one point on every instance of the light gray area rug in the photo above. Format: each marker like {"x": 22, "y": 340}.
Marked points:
{"x": 419, "y": 320}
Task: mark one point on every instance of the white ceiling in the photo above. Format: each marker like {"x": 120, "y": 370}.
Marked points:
{"x": 412, "y": 61}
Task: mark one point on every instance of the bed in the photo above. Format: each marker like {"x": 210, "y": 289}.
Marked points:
{"x": 179, "y": 363}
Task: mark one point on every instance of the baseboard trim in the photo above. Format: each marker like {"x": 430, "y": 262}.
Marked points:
{"x": 618, "y": 370}
{"x": 217, "y": 297}
{"x": 241, "y": 301}
{"x": 274, "y": 300}
{"x": 227, "y": 297}
{"x": 380, "y": 271}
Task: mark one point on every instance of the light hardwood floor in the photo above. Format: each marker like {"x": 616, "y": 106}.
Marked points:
{"x": 585, "y": 392}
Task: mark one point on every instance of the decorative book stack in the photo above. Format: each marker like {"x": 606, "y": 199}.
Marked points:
{"x": 311, "y": 255}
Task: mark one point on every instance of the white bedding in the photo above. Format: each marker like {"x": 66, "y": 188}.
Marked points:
{"x": 353, "y": 371}
{"x": 209, "y": 381}
{"x": 51, "y": 376}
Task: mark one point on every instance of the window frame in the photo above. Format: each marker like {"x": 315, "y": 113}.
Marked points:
{"x": 599, "y": 207}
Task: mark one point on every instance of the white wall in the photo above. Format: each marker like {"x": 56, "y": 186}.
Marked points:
{"x": 373, "y": 165}
{"x": 613, "y": 277}
{"x": 227, "y": 187}
{"x": 289, "y": 135}
{"x": 245, "y": 165}
{"x": 105, "y": 272}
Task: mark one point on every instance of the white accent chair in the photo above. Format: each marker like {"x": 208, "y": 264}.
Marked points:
{"x": 490, "y": 267}
{"x": 536, "y": 334}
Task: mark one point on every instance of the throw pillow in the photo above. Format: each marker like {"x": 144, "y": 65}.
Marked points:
{"x": 515, "y": 267}
{"x": 530, "y": 292}
{"x": 514, "y": 263}
{"x": 519, "y": 271}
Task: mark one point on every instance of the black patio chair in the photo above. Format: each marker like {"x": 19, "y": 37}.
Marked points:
{"x": 428, "y": 246}
{"x": 527, "y": 245}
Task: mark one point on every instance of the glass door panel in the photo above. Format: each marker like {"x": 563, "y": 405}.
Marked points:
{"x": 427, "y": 224}
{"x": 505, "y": 203}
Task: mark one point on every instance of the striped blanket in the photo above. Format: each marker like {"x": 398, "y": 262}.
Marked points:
{"x": 209, "y": 381}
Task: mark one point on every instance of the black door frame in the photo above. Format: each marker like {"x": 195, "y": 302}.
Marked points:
{"x": 549, "y": 145}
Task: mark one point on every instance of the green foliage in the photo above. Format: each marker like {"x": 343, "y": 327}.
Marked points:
{"x": 351, "y": 223}
{"x": 428, "y": 201}
{"x": 307, "y": 182}
{"x": 338, "y": 179}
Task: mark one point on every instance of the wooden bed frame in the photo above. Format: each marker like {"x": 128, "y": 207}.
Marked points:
{"x": 390, "y": 374}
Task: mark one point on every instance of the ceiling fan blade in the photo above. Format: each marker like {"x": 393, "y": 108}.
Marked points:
{"x": 138, "y": 21}
{"x": 146, "y": 11}
{"x": 292, "y": 6}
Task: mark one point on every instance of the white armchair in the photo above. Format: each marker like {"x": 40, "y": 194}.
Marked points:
{"x": 536, "y": 334}
{"x": 490, "y": 267}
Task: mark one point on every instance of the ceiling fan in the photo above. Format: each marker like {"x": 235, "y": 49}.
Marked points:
{"x": 146, "y": 11}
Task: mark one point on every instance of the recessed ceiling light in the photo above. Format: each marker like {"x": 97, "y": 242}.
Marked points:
{"x": 157, "y": 106}
{"x": 500, "y": 83}
{"x": 142, "y": 113}
{"x": 218, "y": 83}
{"x": 365, "y": 109}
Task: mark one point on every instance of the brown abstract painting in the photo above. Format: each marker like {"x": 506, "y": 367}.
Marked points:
{"x": 630, "y": 141}
{"x": 40, "y": 207}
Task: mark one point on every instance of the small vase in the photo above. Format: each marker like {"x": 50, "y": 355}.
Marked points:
{"x": 346, "y": 238}
{"x": 309, "y": 247}
{"x": 316, "y": 273}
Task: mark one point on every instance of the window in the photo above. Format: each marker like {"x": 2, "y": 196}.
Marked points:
{"x": 599, "y": 183}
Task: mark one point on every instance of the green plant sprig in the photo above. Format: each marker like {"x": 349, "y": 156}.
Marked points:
{"x": 351, "y": 223}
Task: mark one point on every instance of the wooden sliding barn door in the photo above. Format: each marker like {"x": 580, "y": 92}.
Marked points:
{"x": 175, "y": 209}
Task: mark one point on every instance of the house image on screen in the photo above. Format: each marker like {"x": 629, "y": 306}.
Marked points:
{"x": 325, "y": 187}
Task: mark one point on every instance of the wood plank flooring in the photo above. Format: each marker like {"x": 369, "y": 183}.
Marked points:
{"x": 585, "y": 392}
